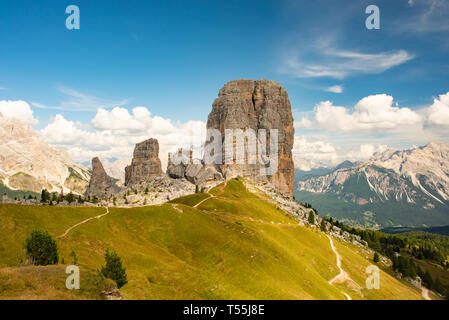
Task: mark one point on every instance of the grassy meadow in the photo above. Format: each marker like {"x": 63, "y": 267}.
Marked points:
{"x": 235, "y": 245}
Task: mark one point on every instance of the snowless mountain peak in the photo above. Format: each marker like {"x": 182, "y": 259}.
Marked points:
{"x": 28, "y": 163}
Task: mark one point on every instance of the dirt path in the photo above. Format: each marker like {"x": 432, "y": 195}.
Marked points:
{"x": 210, "y": 196}
{"x": 82, "y": 222}
{"x": 425, "y": 293}
{"x": 342, "y": 276}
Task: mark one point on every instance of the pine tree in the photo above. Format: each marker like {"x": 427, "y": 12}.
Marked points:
{"x": 323, "y": 226}
{"x": 70, "y": 197}
{"x": 44, "y": 196}
{"x": 376, "y": 257}
{"x": 311, "y": 218}
{"x": 427, "y": 280}
{"x": 114, "y": 269}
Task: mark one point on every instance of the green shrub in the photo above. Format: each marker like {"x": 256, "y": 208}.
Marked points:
{"x": 114, "y": 269}
{"x": 311, "y": 217}
{"x": 41, "y": 248}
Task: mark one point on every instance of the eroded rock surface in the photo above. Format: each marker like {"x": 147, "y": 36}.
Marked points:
{"x": 145, "y": 163}
{"x": 100, "y": 185}
{"x": 261, "y": 104}
{"x": 194, "y": 170}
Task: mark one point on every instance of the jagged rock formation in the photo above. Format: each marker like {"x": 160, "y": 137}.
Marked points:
{"x": 261, "y": 104}
{"x": 178, "y": 170}
{"x": 100, "y": 185}
{"x": 30, "y": 164}
{"x": 194, "y": 171}
{"x": 145, "y": 163}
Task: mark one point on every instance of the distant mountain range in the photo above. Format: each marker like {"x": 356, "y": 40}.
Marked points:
{"x": 393, "y": 188}
{"x": 29, "y": 164}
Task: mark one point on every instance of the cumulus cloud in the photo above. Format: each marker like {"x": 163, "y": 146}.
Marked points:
{"x": 116, "y": 132}
{"x": 438, "y": 112}
{"x": 374, "y": 112}
{"x": 18, "y": 109}
{"x": 366, "y": 151}
{"x": 309, "y": 154}
{"x": 303, "y": 123}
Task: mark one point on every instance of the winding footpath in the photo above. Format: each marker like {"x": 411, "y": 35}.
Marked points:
{"x": 210, "y": 196}
{"x": 425, "y": 293}
{"x": 342, "y": 276}
{"x": 83, "y": 222}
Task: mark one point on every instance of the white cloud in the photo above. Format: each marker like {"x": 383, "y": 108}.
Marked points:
{"x": 438, "y": 112}
{"x": 335, "y": 89}
{"x": 313, "y": 154}
{"x": 328, "y": 61}
{"x": 303, "y": 123}
{"x": 117, "y": 131}
{"x": 310, "y": 153}
{"x": 18, "y": 109}
{"x": 366, "y": 151}
{"x": 372, "y": 113}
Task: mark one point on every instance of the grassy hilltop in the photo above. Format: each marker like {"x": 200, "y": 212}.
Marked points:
{"x": 235, "y": 244}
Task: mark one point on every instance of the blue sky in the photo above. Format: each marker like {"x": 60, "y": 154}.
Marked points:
{"x": 173, "y": 56}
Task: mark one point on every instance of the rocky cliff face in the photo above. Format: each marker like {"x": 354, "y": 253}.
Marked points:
{"x": 261, "y": 104}
{"x": 145, "y": 163}
{"x": 28, "y": 163}
{"x": 100, "y": 185}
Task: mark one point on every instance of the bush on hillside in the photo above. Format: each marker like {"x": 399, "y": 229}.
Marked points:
{"x": 114, "y": 269}
{"x": 41, "y": 248}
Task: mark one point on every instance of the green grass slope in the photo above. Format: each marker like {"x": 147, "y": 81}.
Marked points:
{"x": 236, "y": 244}
{"x": 48, "y": 283}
